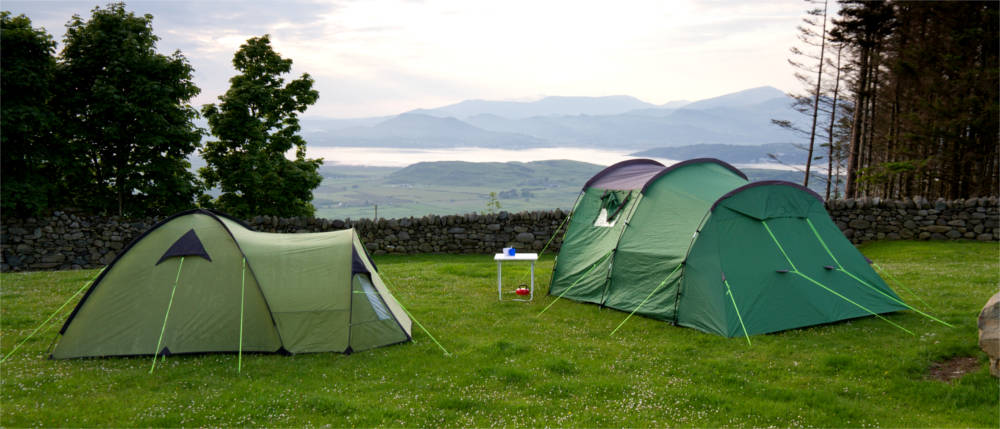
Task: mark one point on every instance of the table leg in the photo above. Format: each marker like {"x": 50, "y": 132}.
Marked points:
{"x": 499, "y": 283}
{"x": 532, "y": 297}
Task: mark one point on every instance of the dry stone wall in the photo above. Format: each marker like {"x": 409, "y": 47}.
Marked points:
{"x": 69, "y": 241}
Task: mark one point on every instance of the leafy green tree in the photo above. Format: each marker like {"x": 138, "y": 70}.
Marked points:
{"x": 256, "y": 123}
{"x": 126, "y": 111}
{"x": 26, "y": 120}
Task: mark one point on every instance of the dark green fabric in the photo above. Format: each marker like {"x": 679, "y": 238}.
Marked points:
{"x": 673, "y": 222}
{"x": 734, "y": 241}
{"x": 659, "y": 234}
{"x": 585, "y": 245}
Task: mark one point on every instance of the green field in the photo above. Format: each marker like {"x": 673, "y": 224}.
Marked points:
{"x": 510, "y": 367}
{"x": 454, "y": 187}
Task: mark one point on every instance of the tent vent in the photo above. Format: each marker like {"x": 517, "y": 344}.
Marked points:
{"x": 187, "y": 245}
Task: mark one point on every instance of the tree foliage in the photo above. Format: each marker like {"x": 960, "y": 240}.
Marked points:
{"x": 30, "y": 155}
{"x": 126, "y": 113}
{"x": 256, "y": 123}
{"x": 925, "y": 88}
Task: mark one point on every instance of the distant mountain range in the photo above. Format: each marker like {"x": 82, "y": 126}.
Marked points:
{"x": 545, "y": 174}
{"x": 496, "y": 174}
{"x": 613, "y": 122}
{"x": 786, "y": 153}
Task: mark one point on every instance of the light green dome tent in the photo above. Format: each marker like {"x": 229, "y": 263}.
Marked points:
{"x": 200, "y": 282}
{"x": 697, "y": 245}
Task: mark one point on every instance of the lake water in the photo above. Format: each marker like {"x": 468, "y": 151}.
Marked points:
{"x": 398, "y": 157}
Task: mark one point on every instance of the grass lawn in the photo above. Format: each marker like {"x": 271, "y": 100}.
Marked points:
{"x": 511, "y": 368}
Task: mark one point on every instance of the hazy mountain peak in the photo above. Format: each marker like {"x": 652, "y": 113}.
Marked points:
{"x": 742, "y": 98}
{"x": 547, "y": 106}
{"x": 675, "y": 104}
{"x": 739, "y": 118}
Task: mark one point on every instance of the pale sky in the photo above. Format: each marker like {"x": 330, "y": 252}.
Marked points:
{"x": 384, "y": 57}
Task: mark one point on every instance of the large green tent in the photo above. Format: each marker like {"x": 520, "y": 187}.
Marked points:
{"x": 200, "y": 281}
{"x": 699, "y": 246}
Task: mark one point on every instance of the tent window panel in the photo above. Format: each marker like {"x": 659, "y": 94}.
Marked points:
{"x": 373, "y": 298}
{"x": 612, "y": 203}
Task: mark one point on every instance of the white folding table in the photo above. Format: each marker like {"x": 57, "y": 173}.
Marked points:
{"x": 501, "y": 257}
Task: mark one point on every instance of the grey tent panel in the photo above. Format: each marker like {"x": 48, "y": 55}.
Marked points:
{"x": 625, "y": 175}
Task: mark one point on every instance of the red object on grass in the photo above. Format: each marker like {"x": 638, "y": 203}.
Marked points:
{"x": 522, "y": 291}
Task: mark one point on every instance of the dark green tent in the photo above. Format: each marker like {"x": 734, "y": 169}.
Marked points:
{"x": 200, "y": 281}
{"x": 697, "y": 245}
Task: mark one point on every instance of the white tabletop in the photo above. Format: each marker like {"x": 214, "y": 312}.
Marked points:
{"x": 516, "y": 257}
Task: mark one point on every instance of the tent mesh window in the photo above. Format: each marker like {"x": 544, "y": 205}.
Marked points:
{"x": 373, "y": 298}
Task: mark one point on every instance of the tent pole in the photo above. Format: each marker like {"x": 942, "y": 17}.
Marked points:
{"x": 32, "y": 334}
{"x": 165, "y": 316}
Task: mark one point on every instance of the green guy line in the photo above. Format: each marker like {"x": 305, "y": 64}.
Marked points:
{"x": 554, "y": 234}
{"x": 647, "y": 298}
{"x": 575, "y": 283}
{"x": 738, "y": 317}
{"x": 894, "y": 299}
{"x": 414, "y": 319}
{"x": 900, "y": 284}
{"x": 32, "y": 334}
{"x": 243, "y": 282}
{"x": 779, "y": 246}
{"x": 852, "y": 302}
{"x": 843, "y": 270}
{"x": 797, "y": 272}
{"x": 165, "y": 316}
{"x": 828, "y": 252}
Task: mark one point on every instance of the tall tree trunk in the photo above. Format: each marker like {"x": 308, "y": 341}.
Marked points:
{"x": 816, "y": 96}
{"x": 857, "y": 126}
{"x": 833, "y": 121}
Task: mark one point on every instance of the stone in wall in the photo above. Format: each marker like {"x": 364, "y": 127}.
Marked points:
{"x": 68, "y": 241}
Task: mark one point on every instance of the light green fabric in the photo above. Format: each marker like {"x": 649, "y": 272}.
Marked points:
{"x": 298, "y": 295}
{"x": 306, "y": 282}
{"x": 124, "y": 313}
{"x": 369, "y": 329}
{"x": 388, "y": 299}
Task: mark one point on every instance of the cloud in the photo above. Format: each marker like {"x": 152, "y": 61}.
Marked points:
{"x": 379, "y": 57}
